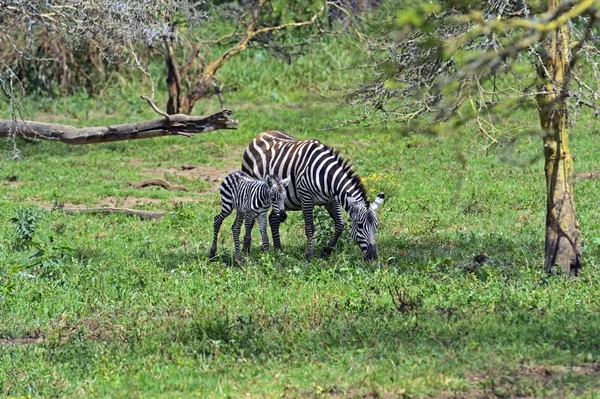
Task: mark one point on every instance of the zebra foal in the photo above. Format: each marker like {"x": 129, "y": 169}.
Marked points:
{"x": 252, "y": 199}
{"x": 319, "y": 176}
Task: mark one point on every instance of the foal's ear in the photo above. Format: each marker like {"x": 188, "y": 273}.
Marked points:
{"x": 378, "y": 201}
{"x": 270, "y": 181}
{"x": 285, "y": 182}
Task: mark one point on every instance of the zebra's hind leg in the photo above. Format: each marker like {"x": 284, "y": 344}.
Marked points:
{"x": 335, "y": 211}
{"x": 249, "y": 220}
{"x": 235, "y": 229}
{"x": 262, "y": 224}
{"x": 309, "y": 227}
{"x": 274, "y": 223}
{"x": 217, "y": 226}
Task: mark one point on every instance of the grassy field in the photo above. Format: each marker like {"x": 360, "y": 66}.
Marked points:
{"x": 456, "y": 306}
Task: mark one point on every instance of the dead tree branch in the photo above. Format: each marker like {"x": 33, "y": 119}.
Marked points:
{"x": 179, "y": 124}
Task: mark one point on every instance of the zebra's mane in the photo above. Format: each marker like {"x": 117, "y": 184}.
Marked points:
{"x": 347, "y": 168}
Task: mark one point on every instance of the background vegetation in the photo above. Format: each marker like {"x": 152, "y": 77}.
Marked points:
{"x": 456, "y": 306}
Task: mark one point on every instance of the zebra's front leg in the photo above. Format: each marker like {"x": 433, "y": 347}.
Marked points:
{"x": 309, "y": 227}
{"x": 262, "y": 224}
{"x": 335, "y": 211}
{"x": 249, "y": 219}
{"x": 274, "y": 223}
{"x": 235, "y": 229}
{"x": 217, "y": 226}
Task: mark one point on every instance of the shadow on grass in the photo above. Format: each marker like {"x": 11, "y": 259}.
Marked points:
{"x": 495, "y": 249}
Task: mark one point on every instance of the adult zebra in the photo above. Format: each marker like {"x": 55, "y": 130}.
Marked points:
{"x": 319, "y": 176}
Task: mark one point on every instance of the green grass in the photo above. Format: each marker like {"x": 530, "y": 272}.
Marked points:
{"x": 113, "y": 306}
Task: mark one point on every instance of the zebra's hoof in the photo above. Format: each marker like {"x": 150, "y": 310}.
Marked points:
{"x": 326, "y": 252}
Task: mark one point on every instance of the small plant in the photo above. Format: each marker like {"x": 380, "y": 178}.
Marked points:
{"x": 404, "y": 302}
{"x": 25, "y": 223}
{"x": 377, "y": 182}
{"x": 323, "y": 226}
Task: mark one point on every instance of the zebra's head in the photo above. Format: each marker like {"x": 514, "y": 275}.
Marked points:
{"x": 364, "y": 225}
{"x": 277, "y": 193}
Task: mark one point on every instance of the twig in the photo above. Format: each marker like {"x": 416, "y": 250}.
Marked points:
{"x": 160, "y": 183}
{"x": 156, "y": 109}
{"x": 218, "y": 91}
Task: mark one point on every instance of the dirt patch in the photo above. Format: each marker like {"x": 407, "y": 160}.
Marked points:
{"x": 32, "y": 339}
{"x": 12, "y": 181}
{"x": 525, "y": 382}
{"x": 127, "y": 202}
{"x": 210, "y": 174}
{"x": 136, "y": 161}
{"x": 132, "y": 202}
{"x": 13, "y": 184}
{"x": 337, "y": 393}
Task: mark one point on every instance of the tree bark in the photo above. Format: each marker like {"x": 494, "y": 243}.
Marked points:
{"x": 563, "y": 237}
{"x": 178, "y": 124}
{"x": 173, "y": 81}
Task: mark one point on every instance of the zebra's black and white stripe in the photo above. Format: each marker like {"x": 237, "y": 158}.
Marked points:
{"x": 319, "y": 176}
{"x": 252, "y": 199}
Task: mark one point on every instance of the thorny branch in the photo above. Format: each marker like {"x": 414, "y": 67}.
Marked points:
{"x": 457, "y": 55}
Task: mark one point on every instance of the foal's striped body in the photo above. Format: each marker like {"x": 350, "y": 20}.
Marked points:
{"x": 252, "y": 199}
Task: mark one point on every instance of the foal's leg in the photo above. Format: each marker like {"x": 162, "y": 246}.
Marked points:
{"x": 274, "y": 223}
{"x": 235, "y": 229}
{"x": 225, "y": 211}
{"x": 262, "y": 224}
{"x": 249, "y": 219}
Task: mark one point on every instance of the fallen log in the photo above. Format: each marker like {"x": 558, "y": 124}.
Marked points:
{"x": 168, "y": 125}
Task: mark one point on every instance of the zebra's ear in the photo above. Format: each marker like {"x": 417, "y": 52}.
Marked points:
{"x": 285, "y": 182}
{"x": 270, "y": 181}
{"x": 378, "y": 201}
{"x": 352, "y": 202}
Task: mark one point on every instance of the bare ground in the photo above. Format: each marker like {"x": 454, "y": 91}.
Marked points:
{"x": 209, "y": 174}
{"x": 518, "y": 383}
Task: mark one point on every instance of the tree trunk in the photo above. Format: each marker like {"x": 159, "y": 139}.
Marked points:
{"x": 563, "y": 241}
{"x": 182, "y": 125}
{"x": 173, "y": 81}
{"x": 198, "y": 91}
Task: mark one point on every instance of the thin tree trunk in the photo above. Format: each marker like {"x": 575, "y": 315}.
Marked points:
{"x": 563, "y": 239}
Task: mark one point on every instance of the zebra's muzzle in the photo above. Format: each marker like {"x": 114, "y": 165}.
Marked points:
{"x": 282, "y": 216}
{"x": 371, "y": 252}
